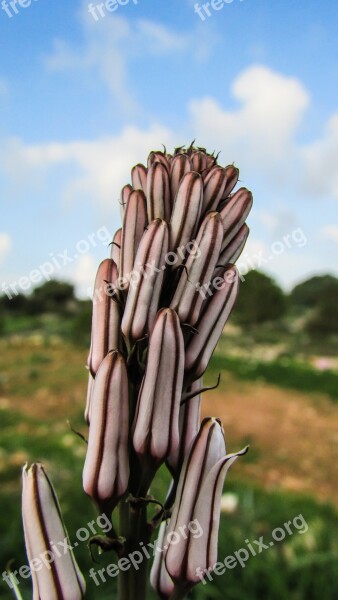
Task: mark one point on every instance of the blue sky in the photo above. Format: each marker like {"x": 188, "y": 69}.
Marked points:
{"x": 82, "y": 100}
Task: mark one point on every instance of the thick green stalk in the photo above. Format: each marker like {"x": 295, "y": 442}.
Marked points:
{"x": 123, "y": 580}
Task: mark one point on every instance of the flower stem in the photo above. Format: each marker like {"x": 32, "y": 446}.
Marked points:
{"x": 123, "y": 580}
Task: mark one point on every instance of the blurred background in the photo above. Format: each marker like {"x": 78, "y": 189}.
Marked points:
{"x": 85, "y": 93}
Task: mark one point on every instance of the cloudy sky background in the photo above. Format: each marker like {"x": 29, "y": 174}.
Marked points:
{"x": 81, "y": 101}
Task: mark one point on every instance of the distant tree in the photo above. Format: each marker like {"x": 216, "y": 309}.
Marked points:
{"x": 51, "y": 296}
{"x": 310, "y": 292}
{"x": 324, "y": 321}
{"x": 17, "y": 303}
{"x": 260, "y": 300}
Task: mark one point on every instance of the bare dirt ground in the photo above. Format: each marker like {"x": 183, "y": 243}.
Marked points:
{"x": 293, "y": 436}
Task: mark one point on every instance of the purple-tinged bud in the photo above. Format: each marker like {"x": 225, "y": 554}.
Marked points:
{"x": 235, "y": 248}
{"x": 202, "y": 555}
{"x": 89, "y": 397}
{"x": 58, "y": 575}
{"x": 186, "y": 212}
{"x": 215, "y": 313}
{"x": 139, "y": 177}
{"x": 160, "y": 579}
{"x": 234, "y": 214}
{"x": 134, "y": 224}
{"x": 158, "y": 193}
{"x": 207, "y": 449}
{"x": 156, "y": 429}
{"x": 146, "y": 283}
{"x": 106, "y": 469}
{"x": 180, "y": 165}
{"x": 198, "y": 161}
{"x": 158, "y": 157}
{"x": 115, "y": 251}
{"x": 106, "y": 317}
{"x": 214, "y": 185}
{"x": 124, "y": 195}
{"x": 188, "y": 300}
{"x": 189, "y": 424}
{"x": 232, "y": 175}
{"x": 198, "y": 497}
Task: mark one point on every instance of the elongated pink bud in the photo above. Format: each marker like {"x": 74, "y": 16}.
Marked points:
{"x": 235, "y": 247}
{"x": 207, "y": 449}
{"x": 89, "y": 398}
{"x": 186, "y": 212}
{"x": 156, "y": 431}
{"x": 214, "y": 185}
{"x": 198, "y": 497}
{"x": 198, "y": 161}
{"x": 106, "y": 318}
{"x": 202, "y": 555}
{"x": 106, "y": 469}
{"x": 189, "y": 424}
{"x": 232, "y": 175}
{"x": 188, "y": 300}
{"x": 210, "y": 325}
{"x": 158, "y": 193}
{"x": 134, "y": 224}
{"x": 124, "y": 195}
{"x": 58, "y": 575}
{"x": 146, "y": 283}
{"x": 160, "y": 579}
{"x": 115, "y": 246}
{"x": 139, "y": 177}
{"x": 158, "y": 156}
{"x": 235, "y": 213}
{"x": 180, "y": 165}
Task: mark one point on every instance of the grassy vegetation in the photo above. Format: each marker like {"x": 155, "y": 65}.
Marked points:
{"x": 284, "y": 372}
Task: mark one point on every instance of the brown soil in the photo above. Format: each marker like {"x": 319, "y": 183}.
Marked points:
{"x": 293, "y": 437}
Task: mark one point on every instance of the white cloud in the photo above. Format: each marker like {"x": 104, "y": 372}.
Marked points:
{"x": 99, "y": 168}
{"x": 113, "y": 42}
{"x": 330, "y": 232}
{"x": 261, "y": 131}
{"x": 319, "y": 171}
{"x": 5, "y": 246}
{"x": 83, "y": 274}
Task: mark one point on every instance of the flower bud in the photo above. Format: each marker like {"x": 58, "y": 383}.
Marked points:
{"x": 187, "y": 300}
{"x": 160, "y": 579}
{"x": 158, "y": 193}
{"x": 155, "y": 429}
{"x": 134, "y": 224}
{"x": 180, "y": 165}
{"x": 186, "y": 211}
{"x": 198, "y": 161}
{"x": 214, "y": 185}
{"x": 159, "y": 157}
{"x": 210, "y": 325}
{"x": 89, "y": 397}
{"x": 189, "y": 424}
{"x": 106, "y": 315}
{"x": 139, "y": 177}
{"x": 146, "y": 284}
{"x": 198, "y": 498}
{"x": 115, "y": 251}
{"x": 234, "y": 214}
{"x": 232, "y": 251}
{"x": 106, "y": 469}
{"x": 232, "y": 175}
{"x": 124, "y": 195}
{"x": 59, "y": 575}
